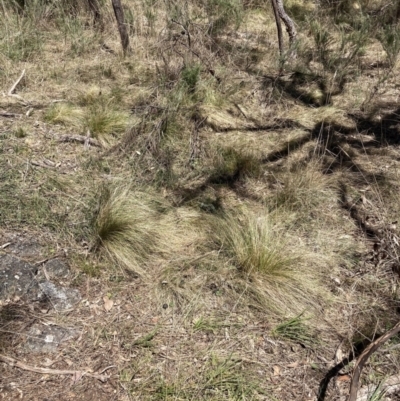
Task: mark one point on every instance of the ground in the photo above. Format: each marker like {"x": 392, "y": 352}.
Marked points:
{"x": 194, "y": 221}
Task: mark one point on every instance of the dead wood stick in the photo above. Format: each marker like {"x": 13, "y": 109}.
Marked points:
{"x": 4, "y": 114}
{"x": 12, "y": 89}
{"x": 80, "y": 139}
{"x": 364, "y": 356}
{"x": 78, "y": 373}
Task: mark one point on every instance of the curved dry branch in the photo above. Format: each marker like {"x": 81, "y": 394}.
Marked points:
{"x": 364, "y": 357}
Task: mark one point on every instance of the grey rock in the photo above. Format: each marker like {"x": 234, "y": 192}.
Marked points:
{"x": 25, "y": 248}
{"x": 56, "y": 268}
{"x": 61, "y": 298}
{"x": 17, "y": 277}
{"x": 41, "y": 338}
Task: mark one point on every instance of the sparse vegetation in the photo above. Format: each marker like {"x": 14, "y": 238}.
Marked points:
{"x": 224, "y": 212}
{"x": 295, "y": 330}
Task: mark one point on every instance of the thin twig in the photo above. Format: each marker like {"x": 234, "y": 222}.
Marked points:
{"x": 39, "y": 164}
{"x": 12, "y": 89}
{"x": 76, "y": 373}
{"x": 58, "y": 255}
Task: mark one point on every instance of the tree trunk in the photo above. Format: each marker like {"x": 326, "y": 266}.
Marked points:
{"x": 123, "y": 32}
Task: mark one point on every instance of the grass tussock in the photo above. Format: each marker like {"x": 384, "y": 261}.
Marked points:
{"x": 138, "y": 229}
{"x": 295, "y": 330}
{"x": 127, "y": 225}
{"x": 302, "y": 187}
{"x": 269, "y": 266}
{"x": 230, "y": 164}
{"x": 64, "y": 114}
{"x": 256, "y": 247}
{"x": 103, "y": 121}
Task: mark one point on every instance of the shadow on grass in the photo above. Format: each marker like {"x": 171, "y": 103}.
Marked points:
{"x": 14, "y": 318}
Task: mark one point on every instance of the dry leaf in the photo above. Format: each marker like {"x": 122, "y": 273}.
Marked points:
{"x": 108, "y": 303}
{"x": 277, "y": 370}
{"x": 343, "y": 378}
{"x": 293, "y": 365}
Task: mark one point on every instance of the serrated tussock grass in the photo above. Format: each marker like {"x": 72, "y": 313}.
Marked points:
{"x": 102, "y": 121}
{"x": 254, "y": 245}
{"x": 137, "y": 228}
{"x": 302, "y": 188}
{"x": 64, "y": 114}
{"x": 127, "y": 226}
{"x": 270, "y": 265}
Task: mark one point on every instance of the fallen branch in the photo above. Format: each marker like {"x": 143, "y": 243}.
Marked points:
{"x": 75, "y": 373}
{"x": 81, "y": 139}
{"x": 363, "y": 358}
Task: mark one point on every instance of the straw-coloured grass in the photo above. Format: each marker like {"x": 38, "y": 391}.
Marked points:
{"x": 269, "y": 263}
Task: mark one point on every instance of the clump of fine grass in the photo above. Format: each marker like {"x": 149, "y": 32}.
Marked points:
{"x": 220, "y": 378}
{"x": 20, "y": 132}
{"x": 390, "y": 40}
{"x": 103, "y": 121}
{"x": 230, "y": 164}
{"x": 128, "y": 226}
{"x": 378, "y": 393}
{"x": 294, "y": 330}
{"x": 138, "y": 229}
{"x": 302, "y": 187}
{"x": 255, "y": 247}
{"x": 65, "y": 114}
{"x": 269, "y": 265}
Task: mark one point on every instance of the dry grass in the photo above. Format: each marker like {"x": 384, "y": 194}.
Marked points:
{"x": 268, "y": 263}
{"x": 129, "y": 227}
{"x": 303, "y": 187}
{"x": 138, "y": 230}
{"x": 223, "y": 197}
{"x": 66, "y": 114}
